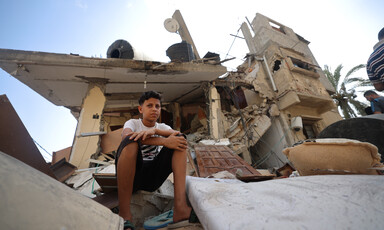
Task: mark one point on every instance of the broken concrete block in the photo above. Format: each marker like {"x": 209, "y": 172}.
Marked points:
{"x": 224, "y": 141}
{"x": 253, "y": 72}
{"x": 274, "y": 110}
{"x": 260, "y": 125}
{"x": 223, "y": 175}
{"x": 252, "y": 97}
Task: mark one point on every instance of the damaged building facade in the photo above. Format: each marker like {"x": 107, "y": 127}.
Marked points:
{"x": 277, "y": 97}
{"x": 238, "y": 124}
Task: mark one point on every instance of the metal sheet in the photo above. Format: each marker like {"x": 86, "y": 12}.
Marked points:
{"x": 15, "y": 139}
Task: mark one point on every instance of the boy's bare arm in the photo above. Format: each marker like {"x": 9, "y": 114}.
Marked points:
{"x": 171, "y": 142}
{"x": 126, "y": 132}
{"x": 169, "y": 139}
{"x": 166, "y": 133}
{"x": 143, "y": 135}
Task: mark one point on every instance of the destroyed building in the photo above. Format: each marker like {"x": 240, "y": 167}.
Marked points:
{"x": 280, "y": 84}
{"x": 277, "y": 97}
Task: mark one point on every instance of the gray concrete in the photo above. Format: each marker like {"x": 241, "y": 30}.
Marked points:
{"x": 33, "y": 200}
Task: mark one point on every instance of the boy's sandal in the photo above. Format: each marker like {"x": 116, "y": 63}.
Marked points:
{"x": 159, "y": 221}
{"x": 129, "y": 225}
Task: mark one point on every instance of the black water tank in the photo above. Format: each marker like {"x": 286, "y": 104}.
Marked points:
{"x": 367, "y": 129}
{"x": 181, "y": 52}
{"x": 120, "y": 49}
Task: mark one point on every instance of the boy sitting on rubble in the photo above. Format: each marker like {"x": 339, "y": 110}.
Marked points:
{"x": 148, "y": 153}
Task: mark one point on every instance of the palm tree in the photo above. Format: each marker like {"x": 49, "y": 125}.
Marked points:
{"x": 345, "y": 98}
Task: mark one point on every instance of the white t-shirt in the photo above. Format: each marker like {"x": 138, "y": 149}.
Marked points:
{"x": 148, "y": 151}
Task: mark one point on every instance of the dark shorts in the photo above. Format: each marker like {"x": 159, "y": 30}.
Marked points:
{"x": 149, "y": 175}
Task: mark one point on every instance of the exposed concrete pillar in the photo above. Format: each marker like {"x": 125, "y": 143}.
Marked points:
{"x": 214, "y": 110}
{"x": 89, "y": 122}
{"x": 176, "y": 116}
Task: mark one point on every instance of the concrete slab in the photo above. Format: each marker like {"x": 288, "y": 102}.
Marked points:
{"x": 312, "y": 202}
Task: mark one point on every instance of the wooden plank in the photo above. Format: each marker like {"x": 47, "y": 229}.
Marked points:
{"x": 63, "y": 170}
{"x": 107, "y": 181}
{"x": 109, "y": 200}
{"x": 64, "y": 153}
{"x": 213, "y": 158}
{"x": 111, "y": 141}
{"x": 191, "y": 164}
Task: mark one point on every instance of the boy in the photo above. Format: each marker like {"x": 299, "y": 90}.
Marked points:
{"x": 148, "y": 153}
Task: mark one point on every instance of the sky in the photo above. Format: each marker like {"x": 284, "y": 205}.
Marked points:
{"x": 340, "y": 31}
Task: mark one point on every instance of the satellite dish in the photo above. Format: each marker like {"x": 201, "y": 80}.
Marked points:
{"x": 171, "y": 25}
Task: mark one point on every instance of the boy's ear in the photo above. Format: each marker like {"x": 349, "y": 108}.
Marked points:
{"x": 140, "y": 109}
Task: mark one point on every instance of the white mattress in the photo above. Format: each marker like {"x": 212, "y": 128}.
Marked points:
{"x": 311, "y": 202}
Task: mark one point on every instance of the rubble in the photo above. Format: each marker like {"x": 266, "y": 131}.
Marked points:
{"x": 233, "y": 124}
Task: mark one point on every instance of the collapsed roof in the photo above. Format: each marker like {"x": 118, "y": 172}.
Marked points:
{"x": 63, "y": 79}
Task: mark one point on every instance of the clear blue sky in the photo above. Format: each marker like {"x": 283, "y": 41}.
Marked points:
{"x": 340, "y": 32}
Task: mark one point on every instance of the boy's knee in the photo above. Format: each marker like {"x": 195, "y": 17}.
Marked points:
{"x": 180, "y": 152}
{"x": 131, "y": 146}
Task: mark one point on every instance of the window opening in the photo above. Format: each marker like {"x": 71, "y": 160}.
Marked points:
{"x": 115, "y": 127}
{"x": 277, "y": 27}
{"x": 276, "y": 67}
{"x": 303, "y": 65}
{"x": 308, "y": 131}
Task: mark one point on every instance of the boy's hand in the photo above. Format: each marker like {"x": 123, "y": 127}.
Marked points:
{"x": 175, "y": 142}
{"x": 143, "y": 134}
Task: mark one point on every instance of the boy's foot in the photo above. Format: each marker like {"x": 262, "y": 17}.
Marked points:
{"x": 181, "y": 214}
{"x": 191, "y": 221}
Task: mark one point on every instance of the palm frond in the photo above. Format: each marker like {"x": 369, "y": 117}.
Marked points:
{"x": 359, "y": 106}
{"x": 344, "y": 107}
{"x": 356, "y": 79}
{"x": 354, "y": 69}
{"x": 351, "y": 111}
{"x": 337, "y": 74}
{"x": 344, "y": 97}
{"x": 329, "y": 75}
{"x": 365, "y": 84}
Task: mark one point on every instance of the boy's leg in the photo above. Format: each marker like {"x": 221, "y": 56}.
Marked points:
{"x": 181, "y": 209}
{"x": 126, "y": 168}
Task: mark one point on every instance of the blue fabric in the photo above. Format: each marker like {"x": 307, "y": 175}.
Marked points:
{"x": 377, "y": 105}
{"x": 375, "y": 65}
{"x": 159, "y": 221}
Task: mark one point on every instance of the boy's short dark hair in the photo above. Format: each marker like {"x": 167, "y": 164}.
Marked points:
{"x": 370, "y": 92}
{"x": 147, "y": 95}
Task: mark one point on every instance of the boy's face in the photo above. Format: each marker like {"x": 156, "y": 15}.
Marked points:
{"x": 150, "y": 109}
